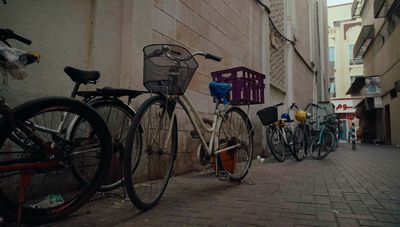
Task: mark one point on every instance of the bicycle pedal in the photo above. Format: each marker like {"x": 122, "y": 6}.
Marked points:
{"x": 223, "y": 175}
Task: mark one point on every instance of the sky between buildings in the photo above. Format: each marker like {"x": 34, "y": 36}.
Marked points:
{"x": 337, "y": 2}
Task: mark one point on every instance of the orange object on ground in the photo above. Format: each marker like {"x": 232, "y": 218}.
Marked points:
{"x": 228, "y": 158}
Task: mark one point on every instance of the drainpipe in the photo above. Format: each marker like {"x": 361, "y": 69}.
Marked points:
{"x": 265, "y": 63}
{"x": 289, "y": 6}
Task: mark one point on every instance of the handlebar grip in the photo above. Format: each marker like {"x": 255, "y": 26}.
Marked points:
{"x": 21, "y": 39}
{"x": 279, "y": 104}
{"x": 213, "y": 57}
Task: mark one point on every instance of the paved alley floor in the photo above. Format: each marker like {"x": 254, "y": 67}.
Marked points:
{"x": 348, "y": 188}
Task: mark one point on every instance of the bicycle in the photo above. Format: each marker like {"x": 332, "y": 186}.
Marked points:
{"x": 117, "y": 115}
{"x": 308, "y": 140}
{"x": 303, "y": 133}
{"x": 39, "y": 153}
{"x": 326, "y": 138}
{"x": 280, "y": 138}
{"x": 168, "y": 70}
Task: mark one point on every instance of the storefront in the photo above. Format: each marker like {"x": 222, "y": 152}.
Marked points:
{"x": 345, "y": 109}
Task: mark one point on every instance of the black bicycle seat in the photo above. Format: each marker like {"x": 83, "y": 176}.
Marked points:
{"x": 81, "y": 76}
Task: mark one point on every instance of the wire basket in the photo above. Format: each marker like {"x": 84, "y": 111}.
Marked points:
{"x": 164, "y": 75}
{"x": 268, "y": 115}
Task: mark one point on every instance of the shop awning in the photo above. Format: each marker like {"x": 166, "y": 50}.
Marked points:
{"x": 356, "y": 87}
{"x": 363, "y": 41}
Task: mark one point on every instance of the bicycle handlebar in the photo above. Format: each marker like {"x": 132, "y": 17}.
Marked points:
{"x": 213, "y": 57}
{"x": 9, "y": 34}
{"x": 279, "y": 104}
{"x": 172, "y": 54}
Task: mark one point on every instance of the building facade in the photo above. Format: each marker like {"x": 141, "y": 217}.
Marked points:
{"x": 343, "y": 68}
{"x": 378, "y": 46}
{"x": 109, "y": 36}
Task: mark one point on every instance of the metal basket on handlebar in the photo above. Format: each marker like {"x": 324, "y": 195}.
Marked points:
{"x": 168, "y": 75}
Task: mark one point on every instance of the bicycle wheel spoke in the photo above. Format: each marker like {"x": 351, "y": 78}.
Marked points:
{"x": 53, "y": 189}
{"x": 235, "y": 130}
{"x": 150, "y": 165}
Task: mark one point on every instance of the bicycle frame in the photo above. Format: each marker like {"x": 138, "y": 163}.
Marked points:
{"x": 200, "y": 126}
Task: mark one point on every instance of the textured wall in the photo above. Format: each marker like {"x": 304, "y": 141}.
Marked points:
{"x": 229, "y": 29}
{"x": 278, "y": 45}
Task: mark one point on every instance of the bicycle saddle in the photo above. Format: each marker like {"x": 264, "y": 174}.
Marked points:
{"x": 81, "y": 76}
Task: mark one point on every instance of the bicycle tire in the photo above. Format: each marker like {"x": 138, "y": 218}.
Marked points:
{"x": 299, "y": 143}
{"x": 234, "y": 158}
{"x": 118, "y": 117}
{"x": 321, "y": 149}
{"x": 275, "y": 137}
{"x": 138, "y": 173}
{"x": 36, "y": 214}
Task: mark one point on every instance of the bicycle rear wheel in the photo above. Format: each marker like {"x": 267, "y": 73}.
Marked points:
{"x": 276, "y": 144}
{"x": 236, "y": 129}
{"x": 43, "y": 162}
{"x": 149, "y": 160}
{"x": 118, "y": 117}
{"x": 320, "y": 148}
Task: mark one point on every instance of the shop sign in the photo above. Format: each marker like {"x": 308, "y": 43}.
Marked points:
{"x": 373, "y": 85}
{"x": 378, "y": 102}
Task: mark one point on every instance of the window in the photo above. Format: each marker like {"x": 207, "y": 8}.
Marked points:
{"x": 332, "y": 88}
{"x": 331, "y": 54}
{"x": 351, "y": 47}
{"x": 353, "y": 61}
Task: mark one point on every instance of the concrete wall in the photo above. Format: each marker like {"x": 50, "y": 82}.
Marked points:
{"x": 340, "y": 12}
{"x": 340, "y": 37}
{"x": 109, "y": 36}
{"x": 383, "y": 58}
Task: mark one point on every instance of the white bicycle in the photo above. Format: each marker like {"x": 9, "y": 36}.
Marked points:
{"x": 168, "y": 70}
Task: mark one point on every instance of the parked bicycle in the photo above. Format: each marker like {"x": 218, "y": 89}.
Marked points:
{"x": 117, "y": 114}
{"x": 168, "y": 69}
{"x": 325, "y": 138}
{"x": 304, "y": 132}
{"x": 311, "y": 139}
{"x": 280, "y": 137}
{"x": 46, "y": 171}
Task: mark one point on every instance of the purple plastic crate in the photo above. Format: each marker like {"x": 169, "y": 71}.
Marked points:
{"x": 247, "y": 85}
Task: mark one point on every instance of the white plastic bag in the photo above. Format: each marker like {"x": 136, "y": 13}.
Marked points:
{"x": 12, "y": 62}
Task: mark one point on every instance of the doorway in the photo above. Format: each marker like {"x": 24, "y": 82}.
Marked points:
{"x": 343, "y": 129}
{"x": 388, "y": 133}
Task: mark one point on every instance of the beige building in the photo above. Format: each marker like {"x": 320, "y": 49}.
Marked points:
{"x": 378, "y": 46}
{"x": 343, "y": 68}
{"x": 109, "y": 36}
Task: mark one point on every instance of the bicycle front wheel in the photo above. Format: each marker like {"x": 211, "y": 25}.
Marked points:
{"x": 43, "y": 162}
{"x": 236, "y": 130}
{"x": 150, "y": 157}
{"x": 321, "y": 147}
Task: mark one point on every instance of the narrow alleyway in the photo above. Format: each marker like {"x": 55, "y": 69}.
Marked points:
{"x": 349, "y": 188}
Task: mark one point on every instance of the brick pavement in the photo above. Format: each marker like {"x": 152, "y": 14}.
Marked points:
{"x": 346, "y": 189}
